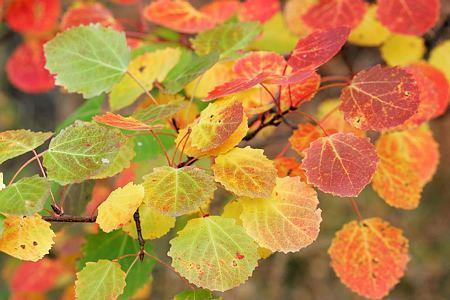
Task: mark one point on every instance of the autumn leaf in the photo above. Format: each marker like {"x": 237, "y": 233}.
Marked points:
{"x": 341, "y": 164}
{"x": 369, "y": 257}
{"x": 294, "y": 95}
{"x": 88, "y": 13}
{"x": 369, "y": 32}
{"x": 288, "y": 220}
{"x": 222, "y": 257}
{"x": 154, "y": 224}
{"x": 332, "y": 119}
{"x": 125, "y": 123}
{"x": 33, "y": 16}
{"x": 122, "y": 161}
{"x": 402, "y": 50}
{"x": 289, "y": 166}
{"x": 258, "y": 10}
{"x": 17, "y": 142}
{"x": 155, "y": 113}
{"x": 380, "y": 98}
{"x": 219, "y": 10}
{"x": 293, "y": 12}
{"x": 440, "y": 58}
{"x": 245, "y": 172}
{"x": 38, "y": 276}
{"x": 234, "y": 86}
{"x": 303, "y": 136}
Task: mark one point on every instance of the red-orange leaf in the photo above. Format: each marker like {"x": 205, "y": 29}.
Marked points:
{"x": 126, "y": 123}
{"x": 380, "y": 98}
{"x": 259, "y": 62}
{"x": 38, "y": 276}
{"x": 332, "y": 13}
{"x": 234, "y": 86}
{"x": 318, "y": 48}
{"x": 341, "y": 164}
{"x": 178, "y": 15}
{"x": 369, "y": 257}
{"x": 87, "y": 13}
{"x": 25, "y": 69}
{"x": 33, "y": 16}
{"x": 303, "y": 136}
{"x": 413, "y": 17}
{"x": 258, "y": 10}
{"x": 289, "y": 166}
{"x": 220, "y": 10}
{"x": 295, "y": 94}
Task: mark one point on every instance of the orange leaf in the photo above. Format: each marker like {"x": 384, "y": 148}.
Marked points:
{"x": 303, "y": 136}
{"x": 126, "y": 123}
{"x": 259, "y": 62}
{"x": 220, "y": 10}
{"x": 289, "y": 166}
{"x": 298, "y": 93}
{"x": 33, "y": 16}
{"x": 258, "y": 10}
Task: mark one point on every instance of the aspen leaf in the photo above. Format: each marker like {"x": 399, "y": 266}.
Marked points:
{"x": 33, "y": 16}
{"x": 87, "y": 59}
{"x": 24, "y": 197}
{"x": 39, "y": 276}
{"x": 258, "y": 10}
{"x": 333, "y": 13}
{"x": 234, "y": 86}
{"x": 369, "y": 257}
{"x": 294, "y": 95}
{"x": 222, "y": 256}
{"x": 125, "y": 123}
{"x": 402, "y": 50}
{"x": 245, "y": 172}
{"x": 332, "y": 119}
{"x": 81, "y": 151}
{"x": 121, "y": 162}
{"x": 289, "y": 166}
{"x": 369, "y": 32}
{"x": 413, "y": 17}
{"x": 176, "y": 192}
{"x": 293, "y": 12}
{"x": 26, "y": 238}
{"x": 287, "y": 221}
{"x": 196, "y": 294}
{"x": 119, "y": 207}
{"x": 341, "y": 164}
{"x": 303, "y": 136}
{"x": 153, "y": 224}
{"x": 380, "y": 98}
{"x": 440, "y": 58}
{"x": 220, "y": 10}
{"x": 159, "y": 112}
{"x": 17, "y": 142}
{"x": 103, "y": 279}
{"x": 88, "y": 13}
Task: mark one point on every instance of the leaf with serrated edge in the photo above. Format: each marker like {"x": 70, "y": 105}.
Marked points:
{"x": 245, "y": 172}
{"x": 24, "y": 197}
{"x": 154, "y": 224}
{"x": 87, "y": 59}
{"x": 119, "y": 207}
{"x": 17, "y": 142}
{"x": 214, "y": 253}
{"x": 369, "y": 257}
{"x": 26, "y": 238}
{"x": 103, "y": 279}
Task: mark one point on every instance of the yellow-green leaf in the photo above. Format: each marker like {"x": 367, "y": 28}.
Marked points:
{"x": 17, "y": 142}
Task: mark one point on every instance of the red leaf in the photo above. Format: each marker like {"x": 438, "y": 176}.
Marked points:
{"x": 258, "y": 10}
{"x": 341, "y": 164}
{"x": 37, "y": 276}
{"x": 221, "y": 10}
{"x": 84, "y": 14}
{"x": 126, "y": 123}
{"x": 318, "y": 48}
{"x": 380, "y": 98}
{"x": 291, "y": 78}
{"x": 234, "y": 87}
{"x": 259, "y": 62}
{"x": 332, "y": 13}
{"x": 33, "y": 16}
{"x": 295, "y": 94}
{"x": 178, "y": 15}
{"x": 25, "y": 69}
{"x": 408, "y": 16}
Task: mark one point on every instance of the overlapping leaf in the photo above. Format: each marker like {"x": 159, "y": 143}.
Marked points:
{"x": 303, "y": 136}
{"x": 296, "y": 94}
{"x": 293, "y": 12}
{"x": 289, "y": 166}
{"x": 214, "y": 253}
{"x": 196, "y": 294}
{"x": 88, "y": 13}
{"x": 33, "y": 16}
{"x": 258, "y": 10}
{"x": 121, "y": 162}
{"x": 369, "y": 32}
{"x": 153, "y": 224}
{"x": 125, "y": 123}
{"x": 440, "y": 58}
{"x": 159, "y": 112}
{"x": 380, "y": 98}
{"x": 219, "y": 10}
{"x": 17, "y": 142}
{"x": 332, "y": 119}
{"x": 341, "y": 164}
{"x": 369, "y": 257}
{"x": 402, "y": 50}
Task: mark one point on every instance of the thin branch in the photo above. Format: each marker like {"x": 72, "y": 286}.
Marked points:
{"x": 24, "y": 166}
{"x": 142, "y": 86}
{"x": 335, "y": 78}
{"x": 141, "y": 240}
{"x": 70, "y": 219}
{"x": 332, "y": 85}
{"x": 54, "y": 204}
{"x": 161, "y": 145}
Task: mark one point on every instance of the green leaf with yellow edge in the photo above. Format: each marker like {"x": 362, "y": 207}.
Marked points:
{"x": 82, "y": 151}
{"x": 87, "y": 59}
{"x": 120, "y": 162}
{"x": 214, "y": 253}
{"x": 402, "y": 50}
{"x": 440, "y": 58}
{"x": 103, "y": 279}
{"x": 153, "y": 224}
{"x": 245, "y": 172}
{"x": 369, "y": 32}
{"x": 147, "y": 68}
{"x": 287, "y": 221}
{"x": 26, "y": 237}
{"x": 17, "y": 142}
{"x": 275, "y": 36}
{"x": 119, "y": 207}
{"x": 198, "y": 294}
{"x": 159, "y": 112}
{"x": 24, "y": 197}
{"x": 178, "y": 191}
{"x": 226, "y": 39}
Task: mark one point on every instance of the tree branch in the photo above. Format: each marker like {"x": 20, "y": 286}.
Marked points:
{"x": 141, "y": 240}
{"x": 70, "y": 219}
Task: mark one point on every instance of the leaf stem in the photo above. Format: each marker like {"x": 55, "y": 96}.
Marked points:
{"x": 335, "y": 78}
{"x": 161, "y": 145}
{"x": 356, "y": 209}
{"x": 24, "y": 166}
{"x": 131, "y": 266}
{"x": 332, "y": 85}
{"x": 142, "y": 86}
{"x": 55, "y": 205}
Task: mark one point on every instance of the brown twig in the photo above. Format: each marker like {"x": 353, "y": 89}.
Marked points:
{"x": 70, "y": 219}
{"x": 141, "y": 240}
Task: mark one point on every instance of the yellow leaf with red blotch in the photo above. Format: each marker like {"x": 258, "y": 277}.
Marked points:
{"x": 370, "y": 32}
{"x": 440, "y": 58}
{"x": 146, "y": 68}
{"x": 332, "y": 119}
{"x": 289, "y": 166}
{"x": 119, "y": 207}
{"x": 369, "y": 257}
{"x": 287, "y": 221}
{"x": 26, "y": 238}
{"x": 245, "y": 172}
{"x": 303, "y": 136}
{"x": 153, "y": 224}
{"x": 293, "y": 12}
{"x": 402, "y": 50}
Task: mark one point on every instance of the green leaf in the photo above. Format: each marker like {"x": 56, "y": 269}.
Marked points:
{"x": 195, "y": 295}
{"x": 146, "y": 146}
{"x": 112, "y": 245}
{"x": 214, "y": 253}
{"x": 88, "y": 59}
{"x": 82, "y": 151}
{"x": 85, "y": 112}
{"x": 226, "y": 38}
{"x": 17, "y": 142}
{"x": 178, "y": 191}
{"x": 276, "y": 37}
{"x": 159, "y": 112}
{"x": 25, "y": 197}
{"x": 188, "y": 68}
{"x": 120, "y": 162}
{"x": 100, "y": 280}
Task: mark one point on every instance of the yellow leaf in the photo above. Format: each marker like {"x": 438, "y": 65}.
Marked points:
{"x": 120, "y": 206}
{"x": 153, "y": 224}
{"x": 26, "y": 238}
{"x": 402, "y": 50}
{"x": 370, "y": 32}
{"x": 293, "y": 13}
{"x": 440, "y": 58}
{"x": 245, "y": 172}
